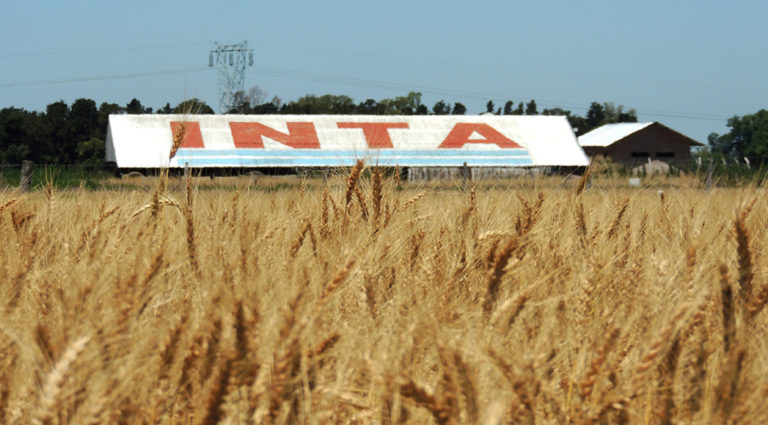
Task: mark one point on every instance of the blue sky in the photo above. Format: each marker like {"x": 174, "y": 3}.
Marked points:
{"x": 687, "y": 64}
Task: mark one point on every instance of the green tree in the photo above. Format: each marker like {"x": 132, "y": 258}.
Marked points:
{"x": 368, "y": 107}
{"x": 386, "y": 106}
{"x": 166, "y": 109}
{"x": 556, "y": 111}
{"x": 748, "y": 138}
{"x": 600, "y": 114}
{"x": 409, "y": 104}
{"x": 489, "y": 107}
{"x": 193, "y": 106}
{"x": 105, "y": 110}
{"x": 630, "y": 116}
{"x": 24, "y": 136}
{"x": 341, "y": 104}
{"x": 241, "y": 104}
{"x": 82, "y": 123}
{"x": 595, "y": 115}
{"x": 325, "y": 104}
{"x": 614, "y": 114}
{"x": 459, "y": 109}
{"x": 441, "y": 108}
{"x": 247, "y": 102}
{"x": 91, "y": 151}
{"x": 309, "y": 104}
{"x": 508, "y": 107}
{"x": 135, "y": 107}
{"x": 531, "y": 109}
{"x": 401, "y": 105}
{"x": 83, "y": 120}
{"x": 14, "y": 136}
{"x": 56, "y": 116}
{"x": 267, "y": 108}
{"x": 579, "y": 124}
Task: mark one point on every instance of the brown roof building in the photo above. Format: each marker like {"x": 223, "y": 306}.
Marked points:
{"x": 638, "y": 143}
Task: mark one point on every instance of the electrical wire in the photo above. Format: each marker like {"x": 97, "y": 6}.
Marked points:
{"x": 404, "y": 60}
{"x": 516, "y": 70}
{"x": 358, "y": 82}
{"x": 102, "y": 50}
{"x": 326, "y": 78}
{"x": 103, "y": 77}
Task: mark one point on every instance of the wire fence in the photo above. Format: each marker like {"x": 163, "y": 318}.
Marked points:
{"x": 711, "y": 172}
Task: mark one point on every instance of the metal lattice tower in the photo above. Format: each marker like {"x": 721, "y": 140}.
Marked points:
{"x": 230, "y": 60}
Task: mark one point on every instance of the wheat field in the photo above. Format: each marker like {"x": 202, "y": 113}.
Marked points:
{"x": 361, "y": 299}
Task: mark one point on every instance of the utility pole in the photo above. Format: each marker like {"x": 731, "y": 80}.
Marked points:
{"x": 230, "y": 61}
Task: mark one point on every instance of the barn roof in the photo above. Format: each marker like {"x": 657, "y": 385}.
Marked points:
{"x": 609, "y": 134}
{"x": 145, "y": 141}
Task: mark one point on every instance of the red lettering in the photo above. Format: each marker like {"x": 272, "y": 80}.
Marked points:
{"x": 301, "y": 135}
{"x": 190, "y": 134}
{"x": 376, "y": 134}
{"x": 461, "y": 133}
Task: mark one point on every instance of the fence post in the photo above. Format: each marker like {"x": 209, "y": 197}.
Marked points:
{"x": 710, "y": 170}
{"x": 466, "y": 175}
{"x": 26, "y": 175}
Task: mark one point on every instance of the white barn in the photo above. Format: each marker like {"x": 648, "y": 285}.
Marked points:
{"x": 206, "y": 141}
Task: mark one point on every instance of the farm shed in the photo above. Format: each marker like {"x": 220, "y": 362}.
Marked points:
{"x": 274, "y": 141}
{"x": 638, "y": 143}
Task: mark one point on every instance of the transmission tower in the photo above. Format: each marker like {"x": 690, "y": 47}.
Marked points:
{"x": 230, "y": 60}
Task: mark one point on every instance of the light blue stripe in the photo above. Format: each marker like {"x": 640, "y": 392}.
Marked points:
{"x": 373, "y": 153}
{"x": 350, "y": 161}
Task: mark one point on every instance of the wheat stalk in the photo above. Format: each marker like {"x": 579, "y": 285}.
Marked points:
{"x": 496, "y": 273}
{"x": 50, "y": 396}
{"x": 440, "y": 412}
{"x": 617, "y": 220}
{"x": 8, "y": 203}
{"x": 377, "y": 195}
{"x": 354, "y": 175}
{"x": 746, "y": 266}
{"x": 583, "y": 180}
{"x": 411, "y": 201}
{"x": 154, "y": 206}
{"x": 337, "y": 280}
{"x": 178, "y": 138}
{"x": 361, "y": 201}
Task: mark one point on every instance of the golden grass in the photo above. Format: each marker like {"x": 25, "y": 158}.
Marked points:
{"x": 349, "y": 301}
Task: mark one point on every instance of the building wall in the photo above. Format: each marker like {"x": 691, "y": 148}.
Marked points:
{"x": 473, "y": 173}
{"x": 655, "y": 142}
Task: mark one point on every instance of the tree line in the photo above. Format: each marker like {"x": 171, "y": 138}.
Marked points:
{"x": 75, "y": 134}
{"x": 747, "y": 139}
{"x": 254, "y": 102}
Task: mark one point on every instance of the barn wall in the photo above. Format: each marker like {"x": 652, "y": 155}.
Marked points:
{"x": 657, "y": 141}
{"x": 593, "y": 151}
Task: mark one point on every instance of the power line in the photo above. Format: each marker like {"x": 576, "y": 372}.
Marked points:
{"x": 358, "y": 82}
{"x": 103, "y": 77}
{"x": 529, "y": 72}
{"x": 102, "y": 50}
{"x": 398, "y": 60}
{"x": 351, "y": 81}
